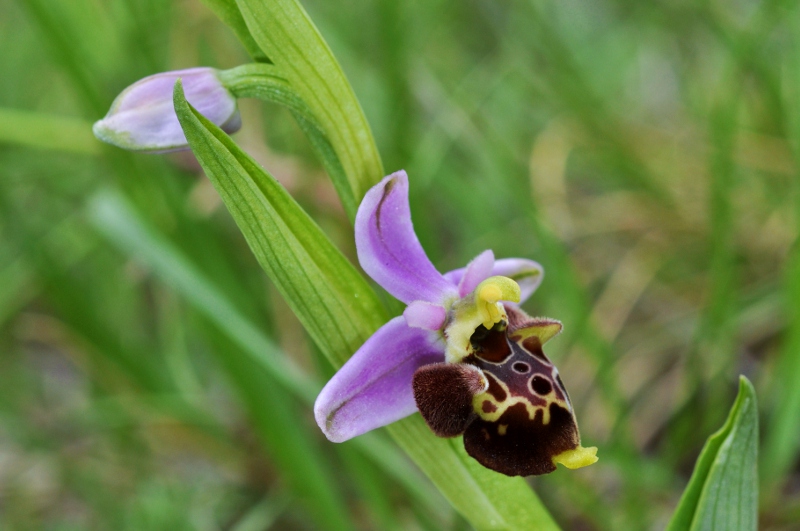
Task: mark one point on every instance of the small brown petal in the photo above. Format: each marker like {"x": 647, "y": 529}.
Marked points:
{"x": 521, "y": 327}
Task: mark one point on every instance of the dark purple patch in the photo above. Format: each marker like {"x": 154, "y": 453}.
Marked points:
{"x": 528, "y": 446}
{"x": 510, "y": 373}
{"x": 560, "y": 387}
{"x": 534, "y": 347}
{"x": 386, "y": 191}
{"x": 541, "y": 385}
{"x": 521, "y": 367}
{"x": 488, "y": 407}
{"x": 495, "y": 389}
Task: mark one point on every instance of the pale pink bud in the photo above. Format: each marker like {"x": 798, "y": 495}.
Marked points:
{"x": 142, "y": 118}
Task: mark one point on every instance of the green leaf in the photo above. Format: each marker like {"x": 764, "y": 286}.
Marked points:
{"x": 286, "y": 34}
{"x": 340, "y": 312}
{"x": 723, "y": 491}
{"x": 328, "y": 295}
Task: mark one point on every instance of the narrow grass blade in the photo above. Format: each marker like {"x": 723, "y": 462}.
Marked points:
{"x": 262, "y": 515}
{"x": 56, "y": 133}
{"x": 253, "y": 366}
{"x": 69, "y": 294}
{"x": 59, "y": 37}
{"x": 114, "y": 217}
{"x": 723, "y": 490}
{"x": 782, "y": 442}
{"x": 287, "y": 440}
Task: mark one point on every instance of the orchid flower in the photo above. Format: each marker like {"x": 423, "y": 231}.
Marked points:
{"x": 142, "y": 117}
{"x": 462, "y": 353}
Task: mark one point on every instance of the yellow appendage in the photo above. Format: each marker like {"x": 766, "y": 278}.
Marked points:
{"x": 489, "y": 293}
{"x": 577, "y": 458}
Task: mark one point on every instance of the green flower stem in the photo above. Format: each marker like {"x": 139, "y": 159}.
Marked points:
{"x": 490, "y": 501}
{"x": 268, "y": 83}
{"x": 285, "y": 33}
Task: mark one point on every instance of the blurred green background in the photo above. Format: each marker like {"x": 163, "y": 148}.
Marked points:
{"x": 646, "y": 153}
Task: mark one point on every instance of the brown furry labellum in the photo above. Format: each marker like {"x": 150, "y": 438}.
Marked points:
{"x": 506, "y": 398}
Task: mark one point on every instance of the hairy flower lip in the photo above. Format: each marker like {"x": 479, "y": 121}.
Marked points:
{"x": 142, "y": 118}
{"x": 374, "y": 387}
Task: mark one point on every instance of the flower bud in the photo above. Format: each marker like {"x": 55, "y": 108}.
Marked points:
{"x": 142, "y": 118}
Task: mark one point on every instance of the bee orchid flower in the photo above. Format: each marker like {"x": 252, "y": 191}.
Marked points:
{"x": 462, "y": 354}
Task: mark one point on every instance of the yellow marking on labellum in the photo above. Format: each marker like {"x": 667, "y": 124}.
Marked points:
{"x": 550, "y": 397}
{"x": 502, "y": 406}
{"x": 546, "y": 414}
{"x": 577, "y": 458}
{"x": 501, "y": 429}
{"x": 482, "y": 307}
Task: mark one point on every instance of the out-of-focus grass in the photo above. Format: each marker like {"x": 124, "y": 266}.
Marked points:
{"x": 645, "y": 153}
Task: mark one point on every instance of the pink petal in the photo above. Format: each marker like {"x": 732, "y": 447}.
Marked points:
{"x": 373, "y": 388}
{"x": 421, "y": 314}
{"x": 388, "y": 248}
{"x": 478, "y": 270}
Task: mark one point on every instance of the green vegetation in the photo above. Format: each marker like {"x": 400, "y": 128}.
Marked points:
{"x": 152, "y": 376}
